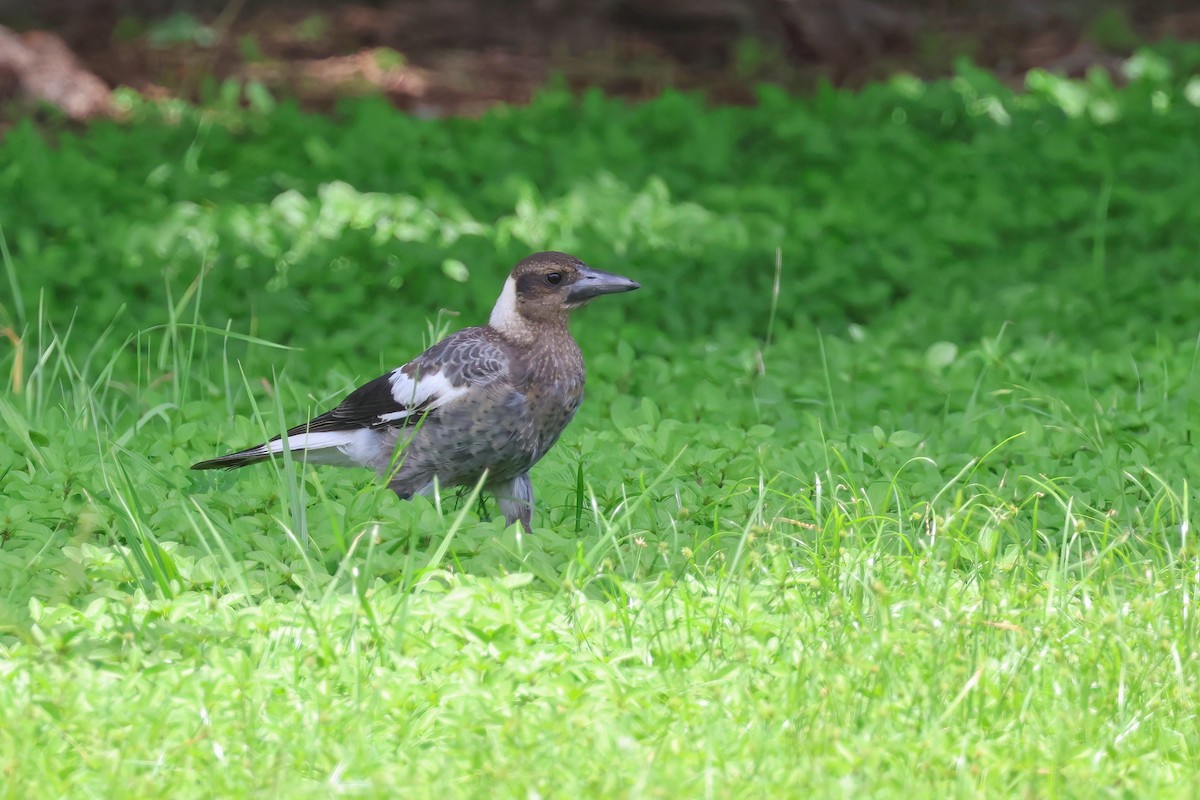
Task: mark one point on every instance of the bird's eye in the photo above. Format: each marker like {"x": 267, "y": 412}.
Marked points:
{"x": 554, "y": 278}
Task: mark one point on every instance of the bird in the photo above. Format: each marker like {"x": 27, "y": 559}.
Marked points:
{"x": 483, "y": 404}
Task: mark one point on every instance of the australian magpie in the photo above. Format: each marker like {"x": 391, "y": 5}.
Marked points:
{"x": 485, "y": 401}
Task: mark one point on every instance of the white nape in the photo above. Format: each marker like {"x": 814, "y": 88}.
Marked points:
{"x": 505, "y": 316}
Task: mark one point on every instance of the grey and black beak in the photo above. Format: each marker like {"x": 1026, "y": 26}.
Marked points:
{"x": 592, "y": 283}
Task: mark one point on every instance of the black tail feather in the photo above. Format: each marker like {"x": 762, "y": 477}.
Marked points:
{"x": 242, "y": 458}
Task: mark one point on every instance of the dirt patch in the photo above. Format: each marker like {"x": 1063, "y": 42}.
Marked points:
{"x": 462, "y": 56}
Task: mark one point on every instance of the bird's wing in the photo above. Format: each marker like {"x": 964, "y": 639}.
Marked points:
{"x": 439, "y": 376}
{"x": 351, "y": 433}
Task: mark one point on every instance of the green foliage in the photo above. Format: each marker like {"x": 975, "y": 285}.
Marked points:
{"x": 312, "y": 27}
{"x": 1112, "y": 30}
{"x": 882, "y": 486}
{"x": 182, "y": 28}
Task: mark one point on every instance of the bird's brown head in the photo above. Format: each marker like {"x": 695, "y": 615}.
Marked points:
{"x": 544, "y": 287}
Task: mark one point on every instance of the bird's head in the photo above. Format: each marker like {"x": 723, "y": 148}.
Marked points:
{"x": 544, "y": 287}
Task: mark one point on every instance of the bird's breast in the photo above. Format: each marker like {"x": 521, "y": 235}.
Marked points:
{"x": 552, "y": 384}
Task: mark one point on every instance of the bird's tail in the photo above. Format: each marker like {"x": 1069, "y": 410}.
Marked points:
{"x": 338, "y": 448}
{"x": 242, "y": 458}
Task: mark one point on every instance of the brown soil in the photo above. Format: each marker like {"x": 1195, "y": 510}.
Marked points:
{"x": 461, "y": 56}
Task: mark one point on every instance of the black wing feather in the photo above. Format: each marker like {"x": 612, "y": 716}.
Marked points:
{"x": 469, "y": 356}
{"x": 361, "y": 409}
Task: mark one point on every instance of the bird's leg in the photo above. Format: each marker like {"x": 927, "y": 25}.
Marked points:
{"x": 464, "y": 493}
{"x": 515, "y": 498}
{"x": 484, "y": 514}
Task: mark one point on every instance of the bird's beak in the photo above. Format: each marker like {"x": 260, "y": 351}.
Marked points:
{"x": 593, "y": 283}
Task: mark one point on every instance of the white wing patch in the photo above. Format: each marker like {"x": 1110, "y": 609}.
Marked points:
{"x": 429, "y": 391}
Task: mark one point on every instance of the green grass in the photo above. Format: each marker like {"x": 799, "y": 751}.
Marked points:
{"x": 883, "y": 485}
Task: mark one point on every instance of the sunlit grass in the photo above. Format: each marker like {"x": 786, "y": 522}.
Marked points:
{"x": 865, "y": 499}
{"x": 297, "y": 631}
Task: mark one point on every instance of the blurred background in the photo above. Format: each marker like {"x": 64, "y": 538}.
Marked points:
{"x": 462, "y": 56}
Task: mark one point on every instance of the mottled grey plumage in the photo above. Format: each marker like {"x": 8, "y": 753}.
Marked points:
{"x": 488, "y": 400}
